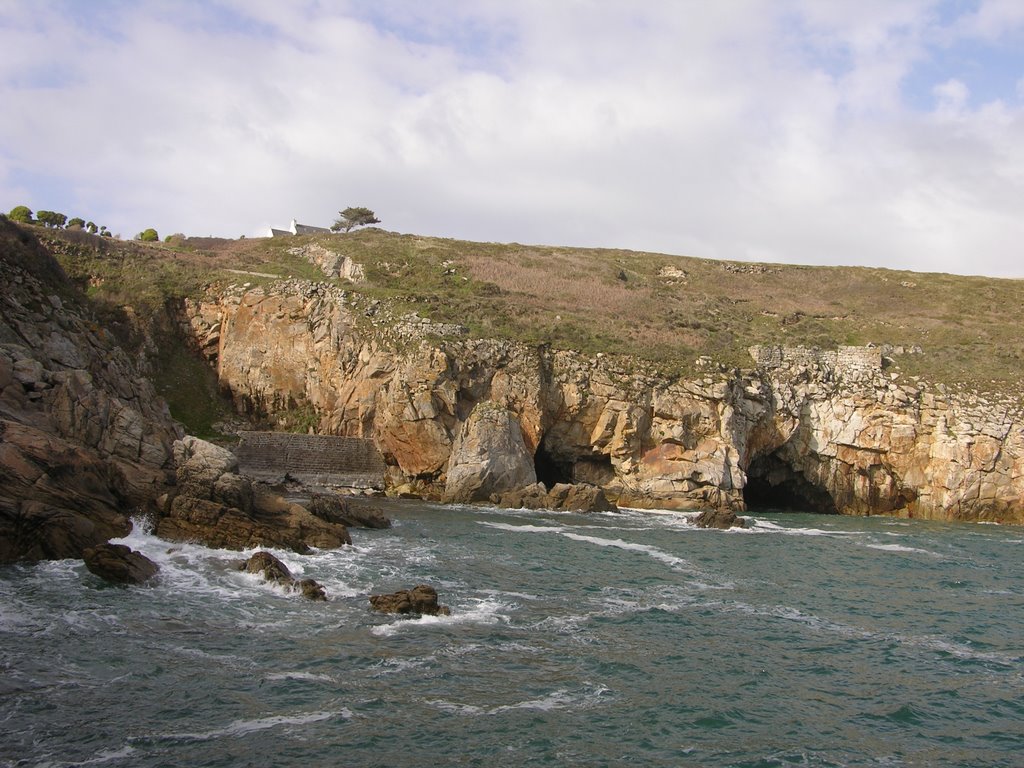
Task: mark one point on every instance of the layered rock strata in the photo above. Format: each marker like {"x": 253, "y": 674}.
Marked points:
{"x": 84, "y": 440}
{"x": 827, "y": 431}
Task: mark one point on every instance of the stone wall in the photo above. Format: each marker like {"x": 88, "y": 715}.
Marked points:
{"x": 349, "y": 462}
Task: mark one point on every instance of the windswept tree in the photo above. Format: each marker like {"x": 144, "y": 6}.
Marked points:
{"x": 91, "y": 228}
{"x": 21, "y": 214}
{"x": 354, "y": 217}
{"x": 51, "y": 219}
{"x": 76, "y": 223}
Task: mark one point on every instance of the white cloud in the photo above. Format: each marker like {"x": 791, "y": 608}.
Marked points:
{"x": 746, "y": 129}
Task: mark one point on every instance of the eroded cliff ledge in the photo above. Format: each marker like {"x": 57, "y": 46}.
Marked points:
{"x": 828, "y": 431}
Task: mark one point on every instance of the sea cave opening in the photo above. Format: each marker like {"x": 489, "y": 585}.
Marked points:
{"x": 550, "y": 469}
{"x": 773, "y": 485}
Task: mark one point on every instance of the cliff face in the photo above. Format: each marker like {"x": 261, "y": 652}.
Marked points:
{"x": 827, "y": 431}
{"x": 83, "y": 437}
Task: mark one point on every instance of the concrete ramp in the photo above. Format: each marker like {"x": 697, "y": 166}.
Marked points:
{"x": 349, "y": 462}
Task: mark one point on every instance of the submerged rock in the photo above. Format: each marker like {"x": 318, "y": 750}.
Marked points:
{"x": 719, "y": 518}
{"x": 119, "y": 564}
{"x": 421, "y": 599}
{"x": 276, "y": 572}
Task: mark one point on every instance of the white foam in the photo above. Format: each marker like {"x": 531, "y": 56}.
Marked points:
{"x": 522, "y": 528}
{"x": 657, "y": 554}
{"x": 485, "y": 611}
{"x": 559, "y": 699}
{"x": 901, "y": 548}
{"x": 103, "y": 756}
{"x": 245, "y": 727}
{"x": 310, "y": 676}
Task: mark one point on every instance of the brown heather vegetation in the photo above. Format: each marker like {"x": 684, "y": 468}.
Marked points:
{"x": 668, "y": 310}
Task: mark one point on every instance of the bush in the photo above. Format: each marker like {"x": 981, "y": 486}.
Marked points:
{"x": 148, "y": 236}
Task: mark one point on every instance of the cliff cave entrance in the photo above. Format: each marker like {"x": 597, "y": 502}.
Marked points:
{"x": 773, "y": 485}
{"x": 550, "y": 470}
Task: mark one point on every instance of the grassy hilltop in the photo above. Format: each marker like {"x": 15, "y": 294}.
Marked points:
{"x": 669, "y": 310}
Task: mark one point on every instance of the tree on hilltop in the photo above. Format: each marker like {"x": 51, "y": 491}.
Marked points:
{"x": 22, "y": 214}
{"x": 51, "y": 219}
{"x": 76, "y": 223}
{"x": 354, "y": 217}
{"x": 148, "y": 236}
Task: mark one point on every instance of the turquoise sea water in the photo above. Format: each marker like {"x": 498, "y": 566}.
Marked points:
{"x": 616, "y": 639}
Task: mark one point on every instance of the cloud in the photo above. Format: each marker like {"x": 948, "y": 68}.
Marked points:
{"x": 747, "y": 130}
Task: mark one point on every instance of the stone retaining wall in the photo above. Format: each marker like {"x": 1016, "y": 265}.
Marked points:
{"x": 327, "y": 460}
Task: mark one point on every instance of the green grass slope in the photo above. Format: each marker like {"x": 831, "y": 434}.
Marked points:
{"x": 668, "y": 310}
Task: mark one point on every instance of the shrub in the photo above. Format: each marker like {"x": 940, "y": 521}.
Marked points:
{"x": 148, "y": 236}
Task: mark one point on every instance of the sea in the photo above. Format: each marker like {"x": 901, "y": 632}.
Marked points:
{"x": 619, "y": 639}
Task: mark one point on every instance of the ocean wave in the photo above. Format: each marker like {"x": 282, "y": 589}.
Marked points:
{"x": 901, "y": 548}
{"x": 558, "y": 699}
{"x": 238, "y": 728}
{"x": 483, "y": 611}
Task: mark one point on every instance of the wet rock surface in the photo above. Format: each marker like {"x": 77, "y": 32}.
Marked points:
{"x": 420, "y": 600}
{"x": 275, "y": 571}
{"x": 119, "y": 564}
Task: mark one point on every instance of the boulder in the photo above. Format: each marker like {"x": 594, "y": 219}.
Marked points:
{"x": 217, "y": 507}
{"x": 421, "y": 599}
{"x": 275, "y": 571}
{"x": 200, "y": 464}
{"x": 489, "y": 456}
{"x": 574, "y": 497}
{"x": 580, "y": 497}
{"x": 335, "y": 509}
{"x": 273, "y": 522}
{"x": 719, "y": 518}
{"x": 119, "y": 564}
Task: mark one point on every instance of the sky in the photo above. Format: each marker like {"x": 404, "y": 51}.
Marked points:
{"x": 883, "y": 133}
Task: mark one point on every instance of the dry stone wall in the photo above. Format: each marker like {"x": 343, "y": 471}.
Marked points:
{"x": 318, "y": 460}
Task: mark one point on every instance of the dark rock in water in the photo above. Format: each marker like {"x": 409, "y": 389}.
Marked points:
{"x": 335, "y": 509}
{"x": 421, "y": 599}
{"x": 580, "y": 497}
{"x": 576, "y": 497}
{"x": 119, "y": 564}
{"x": 275, "y": 571}
{"x": 311, "y": 590}
{"x": 719, "y": 518}
{"x": 217, "y": 508}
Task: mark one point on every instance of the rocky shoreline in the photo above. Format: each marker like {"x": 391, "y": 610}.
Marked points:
{"x": 85, "y": 442}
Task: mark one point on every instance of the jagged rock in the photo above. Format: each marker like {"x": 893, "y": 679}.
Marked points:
{"x": 200, "y": 464}
{"x": 421, "y": 599}
{"x": 581, "y": 498}
{"x": 335, "y": 509}
{"x": 119, "y": 564}
{"x": 218, "y": 508}
{"x": 719, "y": 518}
{"x": 275, "y": 571}
{"x": 273, "y": 522}
{"x": 83, "y": 437}
{"x": 531, "y": 497}
{"x": 489, "y": 456}
{"x": 576, "y": 497}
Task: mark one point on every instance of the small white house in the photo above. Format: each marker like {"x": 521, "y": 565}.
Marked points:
{"x": 298, "y": 229}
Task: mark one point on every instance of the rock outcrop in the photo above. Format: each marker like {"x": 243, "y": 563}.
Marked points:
{"x": 84, "y": 440}
{"x": 421, "y": 600}
{"x": 563, "y": 496}
{"x": 119, "y": 564}
{"x": 828, "y": 431}
{"x": 214, "y": 506}
{"x": 719, "y": 518}
{"x": 276, "y": 572}
{"x": 488, "y": 457}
